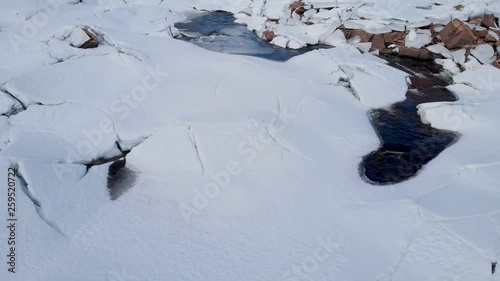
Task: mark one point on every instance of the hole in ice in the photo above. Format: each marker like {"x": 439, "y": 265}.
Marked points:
{"x": 120, "y": 179}
{"x": 407, "y": 143}
{"x": 216, "y": 31}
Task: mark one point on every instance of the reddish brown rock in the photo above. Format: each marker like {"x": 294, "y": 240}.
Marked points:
{"x": 269, "y": 35}
{"x": 456, "y": 35}
{"x": 295, "y": 5}
{"x": 378, "y": 42}
{"x": 497, "y": 31}
{"x": 482, "y": 33}
{"x": 385, "y": 51}
{"x": 490, "y": 38}
{"x": 435, "y": 26}
{"x": 396, "y": 37}
{"x": 365, "y": 36}
{"x": 496, "y": 63}
{"x": 415, "y": 53}
{"x": 489, "y": 21}
{"x": 300, "y": 11}
{"x": 476, "y": 21}
{"x": 93, "y": 42}
{"x": 459, "y": 7}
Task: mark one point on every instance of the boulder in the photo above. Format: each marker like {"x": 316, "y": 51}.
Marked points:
{"x": 378, "y": 42}
{"x": 456, "y": 35}
{"x": 397, "y": 37}
{"x": 482, "y": 33}
{"x": 295, "y": 5}
{"x": 483, "y": 53}
{"x": 415, "y": 53}
{"x": 489, "y": 21}
{"x": 476, "y": 21}
{"x": 490, "y": 38}
{"x": 496, "y": 63}
{"x": 93, "y": 42}
{"x": 269, "y": 35}
{"x": 78, "y": 37}
{"x": 363, "y": 35}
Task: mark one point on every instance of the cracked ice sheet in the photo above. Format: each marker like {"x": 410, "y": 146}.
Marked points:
{"x": 63, "y": 133}
{"x": 272, "y": 213}
{"x": 363, "y": 71}
{"x": 37, "y": 237}
{"x": 70, "y": 198}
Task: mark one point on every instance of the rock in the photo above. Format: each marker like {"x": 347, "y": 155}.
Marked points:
{"x": 496, "y": 31}
{"x": 490, "y": 38}
{"x": 483, "y": 53}
{"x": 295, "y": 5}
{"x": 378, "y": 42}
{"x": 476, "y": 21}
{"x": 489, "y": 21}
{"x": 496, "y": 63}
{"x": 386, "y": 51}
{"x": 78, "y": 37}
{"x": 494, "y": 35}
{"x": 482, "y": 33}
{"x": 457, "y": 35}
{"x": 92, "y": 43}
{"x": 396, "y": 37}
{"x": 363, "y": 35}
{"x": 269, "y": 35}
{"x": 459, "y": 7}
{"x": 415, "y": 53}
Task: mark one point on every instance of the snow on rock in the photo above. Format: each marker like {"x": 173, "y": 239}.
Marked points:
{"x": 449, "y": 65}
{"x": 483, "y": 53}
{"x": 440, "y": 49}
{"x": 280, "y": 41}
{"x": 459, "y": 56}
{"x": 418, "y": 39}
{"x": 78, "y": 37}
{"x": 335, "y": 39}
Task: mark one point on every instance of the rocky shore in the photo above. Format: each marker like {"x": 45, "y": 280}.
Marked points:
{"x": 457, "y": 44}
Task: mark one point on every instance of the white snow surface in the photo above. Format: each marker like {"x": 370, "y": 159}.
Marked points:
{"x": 246, "y": 169}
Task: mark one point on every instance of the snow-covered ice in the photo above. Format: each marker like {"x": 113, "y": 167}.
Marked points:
{"x": 245, "y": 168}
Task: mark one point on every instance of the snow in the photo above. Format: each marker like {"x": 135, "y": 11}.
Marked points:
{"x": 245, "y": 168}
{"x": 418, "y": 39}
{"x": 483, "y": 53}
{"x": 78, "y": 37}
